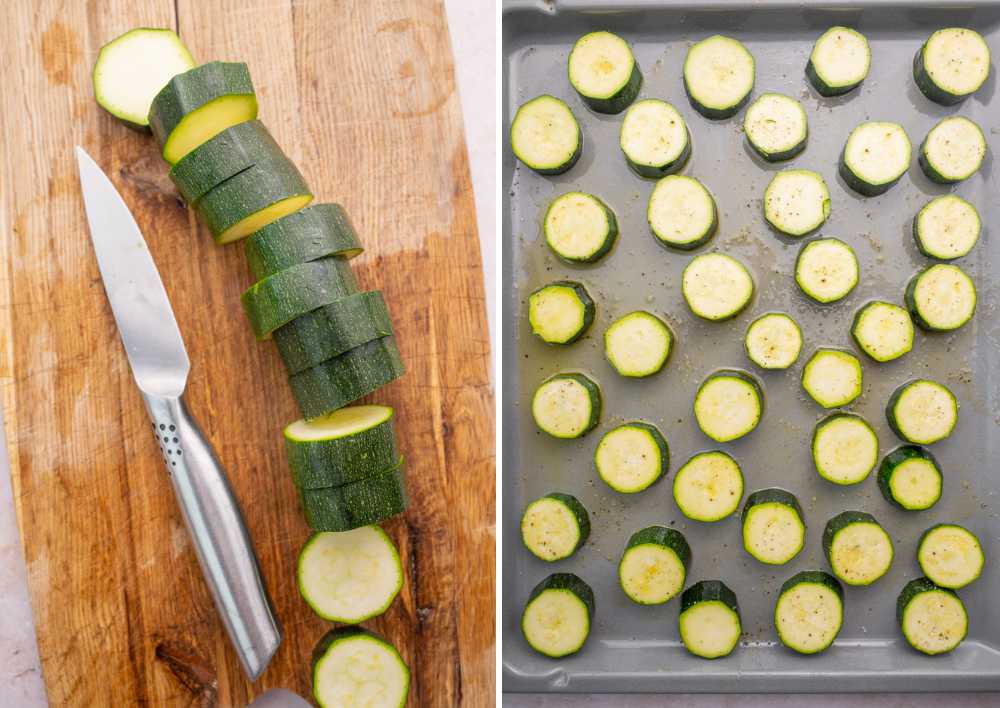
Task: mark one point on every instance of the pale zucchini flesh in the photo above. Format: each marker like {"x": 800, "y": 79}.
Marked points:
{"x": 953, "y": 150}
{"x": 922, "y": 412}
{"x": 773, "y": 341}
{"x": 844, "y": 448}
{"x": 654, "y": 138}
{"x": 827, "y": 270}
{"x": 709, "y": 487}
{"x": 638, "y": 344}
{"x": 579, "y": 227}
{"x": 603, "y": 70}
{"x": 950, "y": 556}
{"x": 875, "y": 156}
{"x": 728, "y": 405}
{"x": 947, "y": 227}
{"x": 776, "y": 127}
{"x": 839, "y": 61}
{"x": 883, "y": 331}
{"x": 716, "y": 286}
{"x": 545, "y": 135}
{"x": 796, "y": 202}
{"x": 832, "y": 377}
{"x": 719, "y": 75}
{"x": 682, "y": 213}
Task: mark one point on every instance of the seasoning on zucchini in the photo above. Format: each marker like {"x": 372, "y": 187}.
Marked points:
{"x": 555, "y": 526}
{"x": 910, "y": 478}
{"x": 716, "y": 286}
{"x": 709, "y": 487}
{"x": 773, "y": 341}
{"x": 858, "y": 549}
{"x": 950, "y": 556}
{"x": 809, "y": 611}
{"x": 638, "y": 344}
{"x": 604, "y": 72}
{"x": 774, "y": 529}
{"x": 719, "y": 75}
{"x": 776, "y": 127}
{"x": 941, "y": 297}
{"x": 826, "y": 269}
{"x": 579, "y": 227}
{"x": 832, "y": 377}
{"x": 682, "y": 213}
{"x": 922, "y": 412}
{"x": 557, "y": 617}
{"x": 839, "y": 61}
{"x": 361, "y": 503}
{"x": 654, "y": 565}
{"x": 796, "y": 202}
{"x": 933, "y": 619}
{"x": 709, "y": 620}
{"x": 947, "y": 227}
{"x": 545, "y": 135}
{"x": 875, "y": 156}
{"x": 951, "y": 65}
{"x": 844, "y": 448}
{"x": 883, "y": 331}
{"x": 632, "y": 456}
{"x": 567, "y": 405}
{"x": 654, "y": 138}
{"x": 349, "y": 662}
{"x": 952, "y": 151}
{"x": 728, "y": 405}
{"x": 560, "y": 312}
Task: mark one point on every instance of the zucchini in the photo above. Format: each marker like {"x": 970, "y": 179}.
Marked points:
{"x": 875, "y": 156}
{"x": 910, "y": 478}
{"x": 654, "y": 565}
{"x": 604, "y": 72}
{"x": 776, "y": 127}
{"x": 632, "y": 456}
{"x": 132, "y": 68}
{"x": 883, "y": 331}
{"x": 839, "y": 61}
{"x": 947, "y": 227}
{"x": 858, "y": 549}
{"x": 809, "y": 611}
{"x": 728, "y": 405}
{"x": 719, "y": 75}
{"x": 709, "y": 487}
{"x": 638, "y": 344}
{"x": 922, "y": 412}
{"x": 557, "y": 617}
{"x": 933, "y": 619}
{"x": 555, "y": 526}
{"x": 826, "y": 269}
{"x": 844, "y": 448}
{"x": 560, "y": 312}
{"x": 316, "y": 232}
{"x": 350, "y": 664}
{"x": 832, "y": 377}
{"x": 361, "y": 503}
{"x": 773, "y": 341}
{"x": 952, "y": 151}
{"x": 580, "y": 228}
{"x": 716, "y": 286}
{"x": 545, "y": 136}
{"x": 796, "y": 202}
{"x": 682, "y": 213}
{"x": 950, "y": 556}
{"x": 774, "y": 529}
{"x": 951, "y": 65}
{"x": 941, "y": 297}
{"x": 655, "y": 139}
{"x": 199, "y": 104}
{"x": 567, "y": 405}
{"x": 349, "y": 577}
{"x": 709, "y": 621}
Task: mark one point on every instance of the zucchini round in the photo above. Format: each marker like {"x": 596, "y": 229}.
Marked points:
{"x": 560, "y": 312}
{"x": 774, "y": 529}
{"x": 719, "y": 75}
{"x": 950, "y": 556}
{"x": 654, "y": 565}
{"x": 709, "y": 487}
{"x": 682, "y": 213}
{"x": 557, "y": 617}
{"x": 922, "y": 412}
{"x": 638, "y": 344}
{"x": 826, "y": 269}
{"x": 933, "y": 619}
{"x": 809, "y": 611}
{"x": 858, "y": 549}
{"x": 580, "y": 228}
{"x": 951, "y": 65}
{"x": 910, "y": 478}
{"x": 361, "y": 503}
{"x": 947, "y": 227}
{"x": 952, "y": 151}
{"x": 604, "y": 72}
{"x": 941, "y": 297}
{"x": 796, "y": 202}
{"x": 555, "y": 526}
{"x": 567, "y": 405}
{"x": 839, "y": 61}
{"x": 844, "y": 448}
{"x": 654, "y": 139}
{"x": 832, "y": 377}
{"x": 709, "y": 620}
{"x": 632, "y": 457}
{"x": 716, "y": 286}
{"x": 349, "y": 662}
{"x": 776, "y": 127}
{"x": 728, "y": 405}
{"x": 316, "y": 232}
{"x": 875, "y": 156}
{"x": 545, "y": 135}
{"x": 773, "y": 341}
{"x": 883, "y": 331}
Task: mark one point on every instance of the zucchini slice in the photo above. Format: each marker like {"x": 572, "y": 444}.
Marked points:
{"x": 567, "y": 405}
{"x": 933, "y": 619}
{"x": 604, "y": 72}
{"x": 832, "y": 377}
{"x": 776, "y": 127}
{"x": 362, "y": 503}
{"x": 199, "y": 104}
{"x": 716, "y": 286}
{"x": 941, "y": 297}
{"x": 947, "y": 227}
{"x": 773, "y": 341}
{"x": 952, "y": 151}
{"x": 839, "y": 61}
{"x": 796, "y": 202}
{"x": 922, "y": 412}
{"x": 632, "y": 456}
{"x": 774, "y": 529}
{"x": 709, "y": 621}
{"x": 951, "y": 65}
{"x": 345, "y": 446}
{"x": 555, "y": 526}
{"x": 875, "y": 156}
{"x": 349, "y": 577}
{"x": 557, "y": 617}
{"x": 350, "y": 663}
{"x": 655, "y": 139}
{"x": 709, "y": 487}
{"x": 809, "y": 611}
{"x": 545, "y": 136}
{"x": 638, "y": 344}
{"x": 844, "y": 448}
{"x": 560, "y": 312}
{"x": 132, "y": 68}
{"x": 728, "y": 405}
{"x": 719, "y": 75}
{"x": 316, "y": 232}
{"x": 950, "y": 556}
{"x": 682, "y": 213}
{"x": 858, "y": 549}
{"x": 580, "y": 228}
{"x": 910, "y": 478}
{"x": 883, "y": 331}
{"x": 654, "y": 565}
{"x": 826, "y": 269}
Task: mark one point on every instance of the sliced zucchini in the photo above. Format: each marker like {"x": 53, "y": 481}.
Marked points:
{"x": 655, "y": 139}
{"x": 362, "y": 503}
{"x": 682, "y": 213}
{"x": 555, "y": 526}
{"x": 941, "y": 297}
{"x": 858, "y": 549}
{"x": 716, "y": 286}
{"x": 545, "y": 135}
{"x": 832, "y": 377}
{"x": 604, "y": 72}
{"x": 774, "y": 529}
{"x": 728, "y": 405}
{"x": 796, "y": 202}
{"x": 709, "y": 487}
{"x": 922, "y": 412}
{"x": 952, "y": 65}
{"x": 952, "y": 151}
{"x": 638, "y": 344}
{"x": 776, "y": 127}
{"x": 632, "y": 456}
{"x": 580, "y": 228}
{"x": 709, "y": 621}
{"x": 933, "y": 619}
{"x": 560, "y": 312}
{"x": 883, "y": 331}
{"x": 567, "y": 405}
{"x": 719, "y": 75}
{"x": 910, "y": 478}
{"x": 355, "y": 667}
{"x": 557, "y": 617}
{"x": 875, "y": 156}
{"x": 654, "y": 565}
{"x": 950, "y": 556}
{"x": 773, "y": 341}
{"x": 839, "y": 61}
{"x": 947, "y": 227}
{"x": 844, "y": 448}
{"x": 826, "y": 269}
{"x": 809, "y": 611}
{"x": 351, "y": 576}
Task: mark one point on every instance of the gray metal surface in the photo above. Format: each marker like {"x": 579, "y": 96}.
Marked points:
{"x": 634, "y": 648}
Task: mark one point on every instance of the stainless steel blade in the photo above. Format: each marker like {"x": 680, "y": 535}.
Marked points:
{"x": 145, "y": 319}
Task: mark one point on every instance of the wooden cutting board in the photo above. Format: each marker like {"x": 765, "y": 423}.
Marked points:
{"x": 362, "y": 96}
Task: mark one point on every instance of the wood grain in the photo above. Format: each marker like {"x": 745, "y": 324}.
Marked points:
{"x": 362, "y": 95}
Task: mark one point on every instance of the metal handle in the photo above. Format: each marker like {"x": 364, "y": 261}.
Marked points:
{"x": 219, "y": 533}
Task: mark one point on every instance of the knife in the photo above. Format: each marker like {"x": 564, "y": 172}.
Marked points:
{"x": 160, "y": 367}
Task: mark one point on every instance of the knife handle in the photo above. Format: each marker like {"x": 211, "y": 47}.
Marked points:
{"x": 220, "y": 536}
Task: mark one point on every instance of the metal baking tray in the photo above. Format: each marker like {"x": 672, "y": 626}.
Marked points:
{"x": 634, "y": 648}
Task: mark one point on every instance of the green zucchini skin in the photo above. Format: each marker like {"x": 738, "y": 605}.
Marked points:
{"x": 892, "y": 461}
{"x": 317, "y": 464}
{"x": 340, "y": 634}
{"x": 589, "y": 308}
{"x": 709, "y": 591}
{"x": 361, "y": 503}
{"x": 593, "y": 392}
{"x": 663, "y": 536}
{"x": 580, "y": 514}
{"x": 622, "y": 99}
